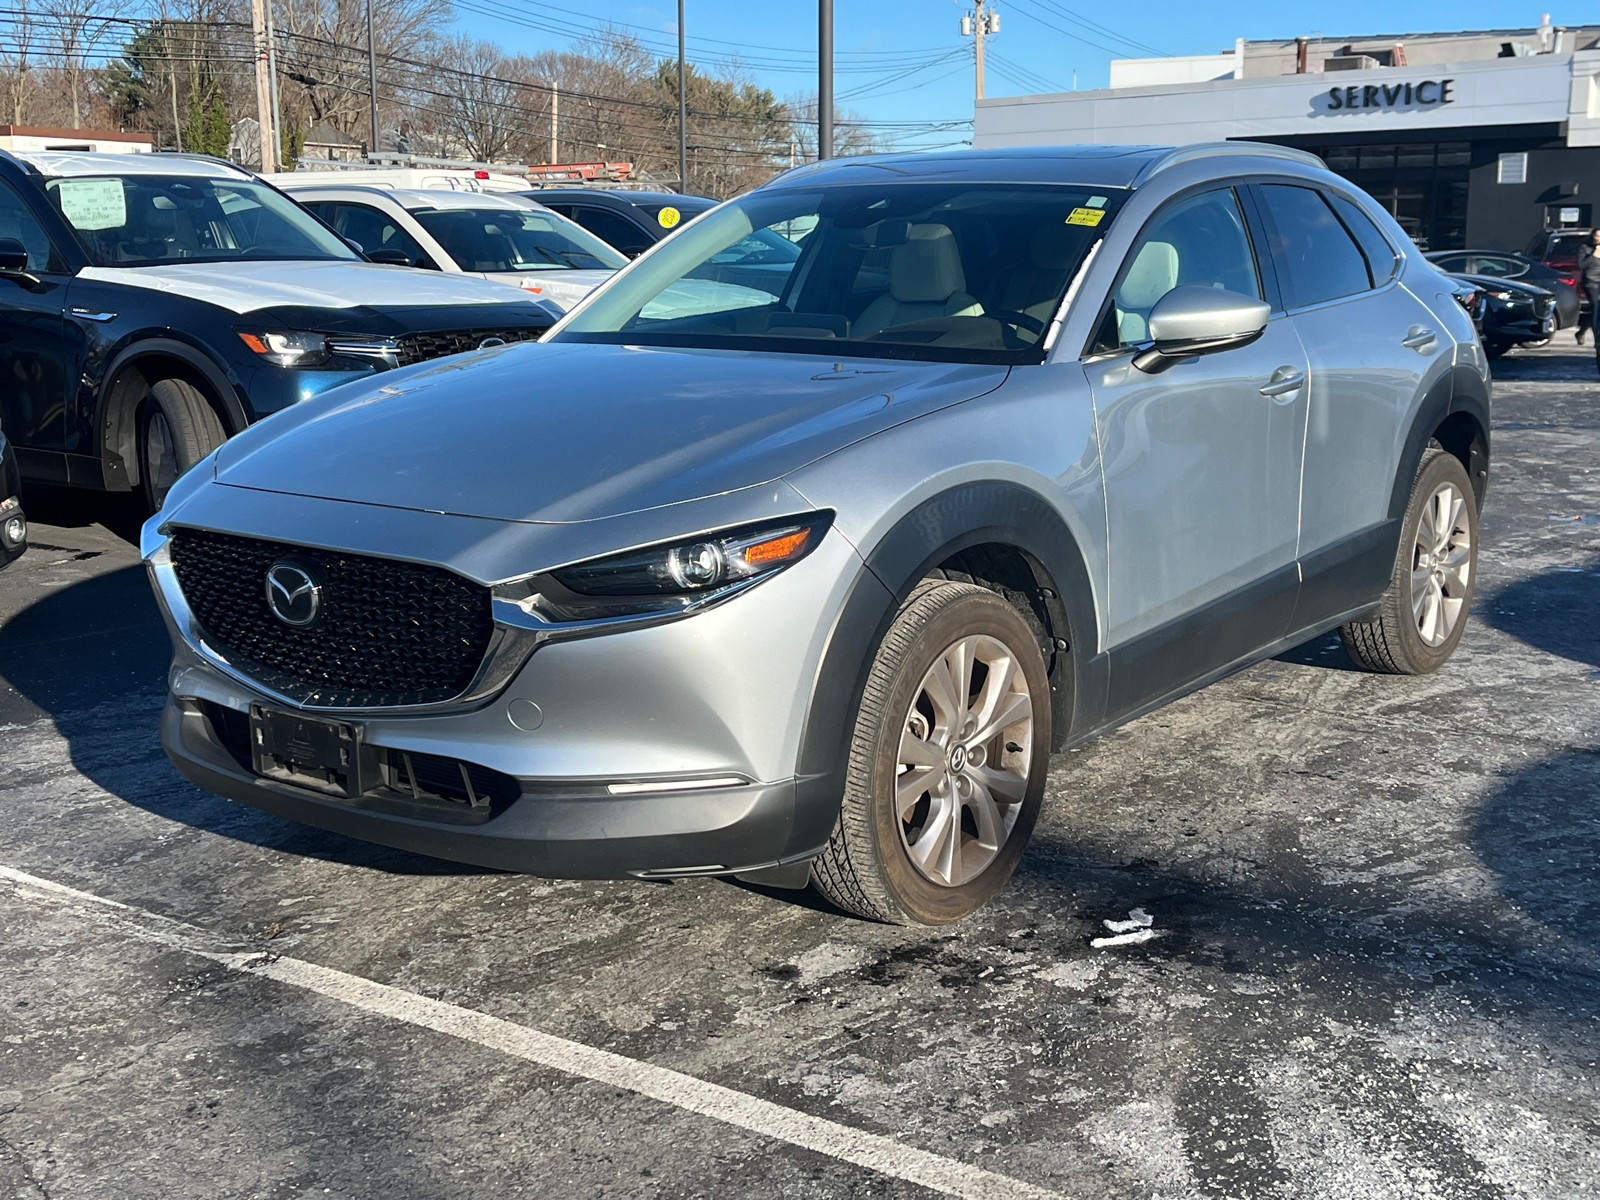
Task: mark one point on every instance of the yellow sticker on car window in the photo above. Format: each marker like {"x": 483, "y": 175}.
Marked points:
{"x": 669, "y": 217}
{"x": 1085, "y": 216}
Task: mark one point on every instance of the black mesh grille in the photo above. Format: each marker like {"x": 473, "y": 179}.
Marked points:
{"x": 419, "y": 347}
{"x": 390, "y": 633}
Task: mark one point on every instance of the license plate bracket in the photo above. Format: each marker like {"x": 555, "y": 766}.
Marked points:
{"x": 325, "y": 756}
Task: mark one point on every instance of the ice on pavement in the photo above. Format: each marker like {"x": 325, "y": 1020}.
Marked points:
{"x": 1137, "y": 919}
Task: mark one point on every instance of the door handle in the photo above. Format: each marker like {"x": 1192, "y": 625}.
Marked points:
{"x": 1419, "y": 337}
{"x": 1284, "y": 380}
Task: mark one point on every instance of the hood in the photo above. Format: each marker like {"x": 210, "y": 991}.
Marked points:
{"x": 565, "y": 288}
{"x": 249, "y": 285}
{"x": 573, "y": 432}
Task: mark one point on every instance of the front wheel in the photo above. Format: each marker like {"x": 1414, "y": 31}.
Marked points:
{"x": 177, "y": 428}
{"x": 1419, "y": 621}
{"x": 948, "y": 762}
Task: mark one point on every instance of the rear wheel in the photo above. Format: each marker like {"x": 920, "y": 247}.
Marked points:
{"x": 948, "y": 763}
{"x": 1419, "y": 621}
{"x": 177, "y": 428}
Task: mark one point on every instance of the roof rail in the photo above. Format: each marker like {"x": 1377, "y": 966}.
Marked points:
{"x": 1185, "y": 154}
{"x": 194, "y": 156}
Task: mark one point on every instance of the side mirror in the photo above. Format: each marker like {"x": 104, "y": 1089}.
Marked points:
{"x": 395, "y": 258}
{"x": 355, "y": 245}
{"x": 1200, "y": 320}
{"x": 13, "y": 255}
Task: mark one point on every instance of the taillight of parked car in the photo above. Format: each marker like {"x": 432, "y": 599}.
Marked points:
{"x": 1570, "y": 280}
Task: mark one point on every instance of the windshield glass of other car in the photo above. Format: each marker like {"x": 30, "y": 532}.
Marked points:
{"x": 508, "y": 239}
{"x": 954, "y": 272}
{"x": 146, "y": 220}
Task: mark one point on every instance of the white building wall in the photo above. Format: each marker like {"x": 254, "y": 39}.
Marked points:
{"x": 1184, "y": 68}
{"x": 1507, "y": 91}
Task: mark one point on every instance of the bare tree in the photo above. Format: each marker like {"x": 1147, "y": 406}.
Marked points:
{"x": 17, "y": 42}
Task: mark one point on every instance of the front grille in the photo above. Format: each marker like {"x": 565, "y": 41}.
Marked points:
{"x": 390, "y": 633}
{"x": 420, "y": 347}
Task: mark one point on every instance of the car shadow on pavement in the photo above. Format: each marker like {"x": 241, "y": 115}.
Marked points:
{"x": 1540, "y": 835}
{"x": 94, "y": 657}
{"x": 72, "y": 508}
{"x": 1553, "y": 611}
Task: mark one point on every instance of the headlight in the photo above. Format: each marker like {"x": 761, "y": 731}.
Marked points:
{"x": 288, "y": 349}
{"x": 669, "y": 577}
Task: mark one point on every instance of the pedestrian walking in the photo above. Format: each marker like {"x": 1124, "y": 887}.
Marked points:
{"x": 1589, "y": 283}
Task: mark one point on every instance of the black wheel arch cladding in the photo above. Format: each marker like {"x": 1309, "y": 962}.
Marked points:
{"x": 999, "y": 535}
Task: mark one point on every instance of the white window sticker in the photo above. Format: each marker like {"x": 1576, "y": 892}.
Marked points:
{"x": 93, "y": 203}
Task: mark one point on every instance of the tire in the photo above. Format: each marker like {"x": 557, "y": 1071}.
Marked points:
{"x": 1496, "y": 350}
{"x": 177, "y": 428}
{"x": 869, "y": 866}
{"x": 1419, "y": 621}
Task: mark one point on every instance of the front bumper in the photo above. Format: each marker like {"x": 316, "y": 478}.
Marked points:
{"x": 719, "y": 695}
{"x": 578, "y": 835}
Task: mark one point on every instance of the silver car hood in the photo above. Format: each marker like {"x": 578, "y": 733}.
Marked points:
{"x": 572, "y": 432}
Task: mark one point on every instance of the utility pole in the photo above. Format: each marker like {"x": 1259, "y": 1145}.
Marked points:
{"x": 824, "y": 79}
{"x": 555, "y": 123}
{"x": 372, "y": 78}
{"x": 272, "y": 76}
{"x": 683, "y": 112}
{"x": 984, "y": 20}
{"x": 258, "y": 30}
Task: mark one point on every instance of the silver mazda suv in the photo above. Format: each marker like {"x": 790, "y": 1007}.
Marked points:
{"x": 797, "y": 566}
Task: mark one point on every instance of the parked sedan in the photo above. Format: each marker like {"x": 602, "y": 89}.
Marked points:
{"x": 503, "y": 238}
{"x": 1514, "y": 313}
{"x": 13, "y": 521}
{"x": 803, "y": 578}
{"x": 1562, "y": 284}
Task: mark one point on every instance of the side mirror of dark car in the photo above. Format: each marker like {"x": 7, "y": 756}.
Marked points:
{"x": 1200, "y": 320}
{"x": 395, "y": 258}
{"x": 14, "y": 264}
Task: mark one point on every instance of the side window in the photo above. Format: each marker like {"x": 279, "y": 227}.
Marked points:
{"x": 1505, "y": 268}
{"x": 614, "y": 228}
{"x": 375, "y": 231}
{"x": 17, "y": 223}
{"x": 1452, "y": 262}
{"x": 1198, "y": 242}
{"x": 1317, "y": 258}
{"x": 1381, "y": 258}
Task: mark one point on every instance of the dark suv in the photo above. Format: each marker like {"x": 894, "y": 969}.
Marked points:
{"x": 630, "y": 221}
{"x": 152, "y": 306}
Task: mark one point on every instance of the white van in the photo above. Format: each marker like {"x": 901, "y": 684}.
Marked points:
{"x": 408, "y": 178}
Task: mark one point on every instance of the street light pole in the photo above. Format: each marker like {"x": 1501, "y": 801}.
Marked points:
{"x": 683, "y": 111}
{"x": 372, "y": 78}
{"x": 824, "y": 79}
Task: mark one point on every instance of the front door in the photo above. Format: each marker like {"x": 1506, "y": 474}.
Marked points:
{"x": 1374, "y": 352}
{"x": 33, "y": 347}
{"x": 1201, "y": 462}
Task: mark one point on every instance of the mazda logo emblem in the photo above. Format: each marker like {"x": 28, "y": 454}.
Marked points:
{"x": 293, "y": 594}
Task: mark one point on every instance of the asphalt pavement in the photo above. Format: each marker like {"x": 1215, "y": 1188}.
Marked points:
{"x": 1376, "y": 970}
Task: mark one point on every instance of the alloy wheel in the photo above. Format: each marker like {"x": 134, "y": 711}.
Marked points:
{"x": 965, "y": 752}
{"x": 1441, "y": 565}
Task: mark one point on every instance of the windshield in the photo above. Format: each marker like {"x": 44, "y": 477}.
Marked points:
{"x": 953, "y": 272}
{"x": 146, "y": 220}
{"x": 508, "y": 239}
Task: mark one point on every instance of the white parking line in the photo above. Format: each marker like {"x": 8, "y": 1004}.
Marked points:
{"x": 869, "y": 1150}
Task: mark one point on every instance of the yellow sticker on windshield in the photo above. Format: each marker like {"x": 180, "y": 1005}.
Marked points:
{"x": 1086, "y": 216}
{"x": 669, "y": 217}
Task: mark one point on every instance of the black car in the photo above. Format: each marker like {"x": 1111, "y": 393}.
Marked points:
{"x": 1498, "y": 264}
{"x": 630, "y": 221}
{"x": 13, "y": 521}
{"x": 1513, "y": 313}
{"x": 153, "y": 305}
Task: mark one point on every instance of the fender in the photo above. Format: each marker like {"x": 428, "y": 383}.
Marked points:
{"x": 114, "y": 415}
{"x": 936, "y": 530}
{"x": 1461, "y": 391}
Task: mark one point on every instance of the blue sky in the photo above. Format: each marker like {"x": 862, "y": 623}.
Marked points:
{"x": 904, "y": 60}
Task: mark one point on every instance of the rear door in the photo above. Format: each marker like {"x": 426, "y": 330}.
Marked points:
{"x": 35, "y": 349}
{"x": 1201, "y": 463}
{"x": 1374, "y": 351}
{"x": 623, "y": 234}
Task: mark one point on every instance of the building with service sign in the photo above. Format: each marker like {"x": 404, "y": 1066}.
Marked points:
{"x": 1470, "y": 139}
